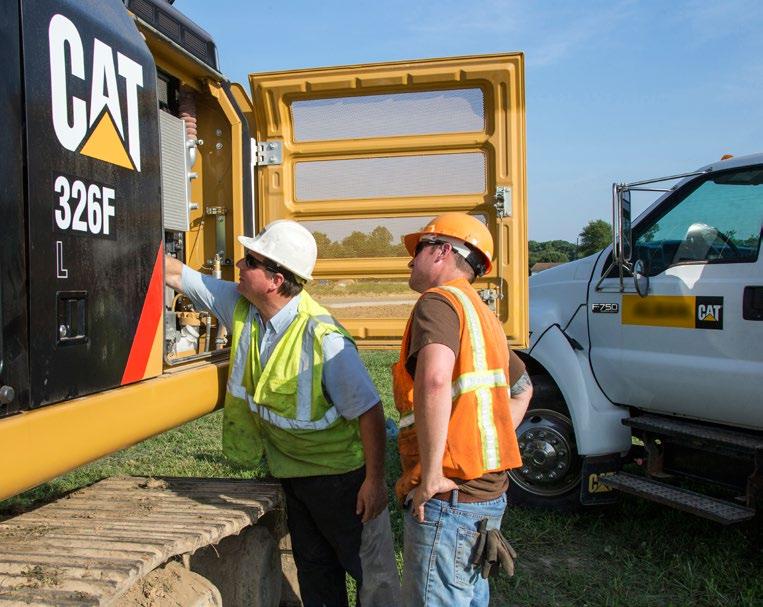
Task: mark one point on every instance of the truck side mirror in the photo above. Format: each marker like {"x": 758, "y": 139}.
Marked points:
{"x": 622, "y": 233}
{"x": 640, "y": 280}
{"x": 622, "y": 225}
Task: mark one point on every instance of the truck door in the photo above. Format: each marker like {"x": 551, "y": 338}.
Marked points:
{"x": 364, "y": 154}
{"x": 692, "y": 346}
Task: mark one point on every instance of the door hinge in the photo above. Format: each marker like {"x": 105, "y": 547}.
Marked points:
{"x": 503, "y": 201}
{"x": 490, "y": 297}
{"x": 266, "y": 153}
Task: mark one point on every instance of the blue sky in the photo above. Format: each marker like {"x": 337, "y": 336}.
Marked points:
{"x": 616, "y": 90}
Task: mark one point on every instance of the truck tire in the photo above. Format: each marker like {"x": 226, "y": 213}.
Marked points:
{"x": 550, "y": 475}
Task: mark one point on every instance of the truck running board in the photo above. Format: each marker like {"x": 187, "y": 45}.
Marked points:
{"x": 700, "y": 435}
{"x": 715, "y": 509}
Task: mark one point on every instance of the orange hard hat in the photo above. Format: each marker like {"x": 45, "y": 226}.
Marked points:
{"x": 462, "y": 227}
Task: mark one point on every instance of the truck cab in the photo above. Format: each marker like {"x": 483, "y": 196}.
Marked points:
{"x": 649, "y": 351}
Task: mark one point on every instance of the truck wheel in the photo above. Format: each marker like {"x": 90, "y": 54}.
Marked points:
{"x": 549, "y": 477}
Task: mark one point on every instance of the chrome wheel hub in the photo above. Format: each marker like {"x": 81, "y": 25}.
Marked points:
{"x": 549, "y": 457}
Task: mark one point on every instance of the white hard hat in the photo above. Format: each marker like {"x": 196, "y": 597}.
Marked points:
{"x": 288, "y": 244}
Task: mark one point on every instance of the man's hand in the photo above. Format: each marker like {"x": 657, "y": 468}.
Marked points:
{"x": 372, "y": 496}
{"x": 372, "y": 499}
{"x": 421, "y": 494}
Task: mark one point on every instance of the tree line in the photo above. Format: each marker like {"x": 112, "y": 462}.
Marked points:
{"x": 380, "y": 243}
{"x": 596, "y": 235}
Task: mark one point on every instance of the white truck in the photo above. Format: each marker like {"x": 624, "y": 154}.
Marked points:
{"x": 649, "y": 352}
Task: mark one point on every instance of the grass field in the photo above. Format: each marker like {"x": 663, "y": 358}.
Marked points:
{"x": 632, "y": 554}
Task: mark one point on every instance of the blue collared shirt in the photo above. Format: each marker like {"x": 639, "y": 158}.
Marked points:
{"x": 273, "y": 330}
{"x": 346, "y": 382}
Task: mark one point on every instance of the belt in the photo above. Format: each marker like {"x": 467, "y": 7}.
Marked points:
{"x": 461, "y": 498}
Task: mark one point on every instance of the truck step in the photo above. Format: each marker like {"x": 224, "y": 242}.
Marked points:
{"x": 91, "y": 546}
{"x": 742, "y": 443}
{"x": 712, "y": 508}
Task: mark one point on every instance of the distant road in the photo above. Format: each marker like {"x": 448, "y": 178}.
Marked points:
{"x": 364, "y": 301}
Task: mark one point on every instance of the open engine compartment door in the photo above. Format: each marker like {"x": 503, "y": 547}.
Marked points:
{"x": 372, "y": 152}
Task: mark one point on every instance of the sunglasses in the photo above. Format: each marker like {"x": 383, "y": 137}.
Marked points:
{"x": 253, "y": 263}
{"x": 424, "y": 244}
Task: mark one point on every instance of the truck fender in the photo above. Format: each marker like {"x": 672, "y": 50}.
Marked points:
{"x": 596, "y": 421}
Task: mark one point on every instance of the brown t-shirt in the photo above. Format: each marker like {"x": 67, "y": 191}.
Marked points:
{"x": 435, "y": 321}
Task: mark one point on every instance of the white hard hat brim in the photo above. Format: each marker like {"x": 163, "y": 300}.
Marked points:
{"x": 252, "y": 244}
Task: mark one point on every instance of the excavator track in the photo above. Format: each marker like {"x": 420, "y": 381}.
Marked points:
{"x": 91, "y": 546}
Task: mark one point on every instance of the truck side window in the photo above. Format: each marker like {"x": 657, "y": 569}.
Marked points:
{"x": 717, "y": 220}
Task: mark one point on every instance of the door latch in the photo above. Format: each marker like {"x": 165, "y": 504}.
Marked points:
{"x": 490, "y": 297}
{"x": 503, "y": 201}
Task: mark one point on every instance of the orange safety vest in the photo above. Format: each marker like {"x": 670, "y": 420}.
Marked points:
{"x": 481, "y": 436}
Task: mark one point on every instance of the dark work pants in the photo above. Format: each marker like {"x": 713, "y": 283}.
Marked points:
{"x": 325, "y": 534}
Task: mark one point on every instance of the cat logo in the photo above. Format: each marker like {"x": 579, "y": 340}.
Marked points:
{"x": 101, "y": 127}
{"x": 595, "y": 485}
{"x": 709, "y": 313}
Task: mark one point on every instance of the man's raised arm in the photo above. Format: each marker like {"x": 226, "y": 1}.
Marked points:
{"x": 173, "y": 272}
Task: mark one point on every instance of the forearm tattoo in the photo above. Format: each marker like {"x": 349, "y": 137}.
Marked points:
{"x": 522, "y": 384}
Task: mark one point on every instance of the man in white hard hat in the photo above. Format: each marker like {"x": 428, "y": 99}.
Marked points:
{"x": 303, "y": 397}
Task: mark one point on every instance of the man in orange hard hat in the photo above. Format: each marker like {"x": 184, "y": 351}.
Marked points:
{"x": 459, "y": 408}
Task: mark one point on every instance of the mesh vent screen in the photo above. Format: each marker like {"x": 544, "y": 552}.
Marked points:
{"x": 162, "y": 93}
{"x": 142, "y": 9}
{"x": 389, "y": 115}
{"x": 393, "y": 176}
{"x": 174, "y": 174}
{"x": 169, "y": 26}
{"x": 197, "y": 46}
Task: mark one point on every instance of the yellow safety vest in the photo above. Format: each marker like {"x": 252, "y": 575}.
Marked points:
{"x": 281, "y": 408}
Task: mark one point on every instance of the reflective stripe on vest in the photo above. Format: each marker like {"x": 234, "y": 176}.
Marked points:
{"x": 304, "y": 382}
{"x": 481, "y": 381}
{"x": 236, "y": 376}
{"x": 468, "y": 382}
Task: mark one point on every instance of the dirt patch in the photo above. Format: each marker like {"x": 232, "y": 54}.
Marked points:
{"x": 153, "y": 483}
{"x": 40, "y": 576}
{"x": 146, "y": 504}
{"x": 25, "y": 533}
{"x": 170, "y": 586}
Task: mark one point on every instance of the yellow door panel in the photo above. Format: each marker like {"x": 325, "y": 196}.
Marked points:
{"x": 372, "y": 152}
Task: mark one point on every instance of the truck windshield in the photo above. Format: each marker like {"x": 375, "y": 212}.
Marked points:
{"x": 716, "y": 221}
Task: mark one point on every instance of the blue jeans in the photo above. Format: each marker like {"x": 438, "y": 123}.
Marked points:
{"x": 437, "y": 570}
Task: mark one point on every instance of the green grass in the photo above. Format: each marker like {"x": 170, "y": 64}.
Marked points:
{"x": 634, "y": 554}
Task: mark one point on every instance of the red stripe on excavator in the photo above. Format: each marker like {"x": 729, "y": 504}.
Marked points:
{"x": 147, "y": 325}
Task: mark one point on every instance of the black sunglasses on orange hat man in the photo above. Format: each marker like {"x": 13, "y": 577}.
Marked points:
{"x": 422, "y": 244}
